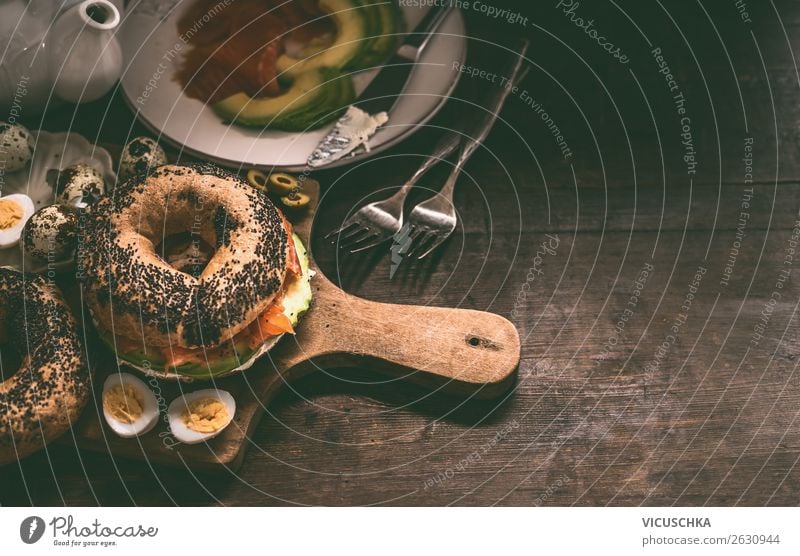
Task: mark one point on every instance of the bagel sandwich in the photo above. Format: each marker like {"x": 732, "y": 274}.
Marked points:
{"x": 208, "y": 303}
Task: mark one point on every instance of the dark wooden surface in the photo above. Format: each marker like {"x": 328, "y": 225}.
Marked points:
{"x": 714, "y": 421}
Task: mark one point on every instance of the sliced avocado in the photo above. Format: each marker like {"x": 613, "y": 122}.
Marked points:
{"x": 154, "y": 360}
{"x": 296, "y": 301}
{"x": 371, "y": 31}
{"x": 352, "y": 27}
{"x": 312, "y": 94}
{"x": 385, "y": 33}
{"x": 139, "y": 358}
{"x": 209, "y": 369}
{"x": 340, "y": 94}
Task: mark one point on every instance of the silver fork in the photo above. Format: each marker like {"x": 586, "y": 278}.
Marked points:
{"x": 432, "y": 221}
{"x": 377, "y": 222}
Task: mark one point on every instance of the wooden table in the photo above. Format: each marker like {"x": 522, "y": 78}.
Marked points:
{"x": 658, "y": 320}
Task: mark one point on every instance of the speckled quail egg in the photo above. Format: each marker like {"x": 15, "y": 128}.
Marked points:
{"x": 201, "y": 415}
{"x": 50, "y": 234}
{"x": 16, "y": 147}
{"x": 129, "y": 406}
{"x": 15, "y": 210}
{"x": 80, "y": 185}
{"x": 140, "y": 155}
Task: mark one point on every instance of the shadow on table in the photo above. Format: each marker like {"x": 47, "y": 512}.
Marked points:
{"x": 63, "y": 475}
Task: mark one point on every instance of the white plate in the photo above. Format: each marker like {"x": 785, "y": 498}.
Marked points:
{"x": 148, "y": 34}
{"x": 52, "y": 151}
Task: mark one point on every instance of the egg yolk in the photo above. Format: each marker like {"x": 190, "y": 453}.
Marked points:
{"x": 124, "y": 403}
{"x": 10, "y": 214}
{"x": 205, "y": 415}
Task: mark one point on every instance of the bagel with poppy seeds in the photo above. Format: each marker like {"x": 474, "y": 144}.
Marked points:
{"x": 44, "y": 397}
{"x": 170, "y": 321}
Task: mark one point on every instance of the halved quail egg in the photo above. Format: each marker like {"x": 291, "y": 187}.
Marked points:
{"x": 129, "y": 406}
{"x": 15, "y": 210}
{"x": 140, "y": 155}
{"x": 51, "y": 234}
{"x": 16, "y": 147}
{"x": 201, "y": 415}
{"x": 80, "y": 185}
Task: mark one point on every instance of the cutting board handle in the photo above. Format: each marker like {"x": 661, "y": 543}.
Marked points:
{"x": 459, "y": 350}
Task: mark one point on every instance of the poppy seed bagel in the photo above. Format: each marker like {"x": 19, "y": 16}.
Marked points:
{"x": 44, "y": 397}
{"x": 132, "y": 292}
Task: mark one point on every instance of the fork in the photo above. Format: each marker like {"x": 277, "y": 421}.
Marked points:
{"x": 377, "y": 222}
{"x": 433, "y": 221}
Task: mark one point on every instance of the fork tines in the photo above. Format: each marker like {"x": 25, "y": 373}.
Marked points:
{"x": 417, "y": 242}
{"x": 355, "y": 237}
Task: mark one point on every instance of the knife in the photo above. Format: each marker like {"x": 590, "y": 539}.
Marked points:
{"x": 391, "y": 82}
{"x": 368, "y": 113}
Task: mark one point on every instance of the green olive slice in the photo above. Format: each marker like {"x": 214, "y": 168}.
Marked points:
{"x": 296, "y": 200}
{"x": 283, "y": 184}
{"x": 257, "y": 179}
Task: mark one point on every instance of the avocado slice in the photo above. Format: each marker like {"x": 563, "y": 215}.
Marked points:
{"x": 314, "y": 96}
{"x": 351, "y": 18}
{"x": 320, "y": 89}
{"x": 296, "y": 301}
{"x": 339, "y": 95}
{"x": 385, "y": 32}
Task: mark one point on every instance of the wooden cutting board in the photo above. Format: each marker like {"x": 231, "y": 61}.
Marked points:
{"x": 465, "y": 352}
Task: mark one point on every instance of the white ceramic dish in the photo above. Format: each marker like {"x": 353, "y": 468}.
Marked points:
{"x": 52, "y": 152}
{"x": 147, "y": 36}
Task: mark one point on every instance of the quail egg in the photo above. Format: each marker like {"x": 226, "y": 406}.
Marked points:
{"x": 140, "y": 155}
{"x": 15, "y": 210}
{"x": 16, "y": 147}
{"x": 129, "y": 406}
{"x": 50, "y": 234}
{"x": 80, "y": 185}
{"x": 200, "y": 415}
